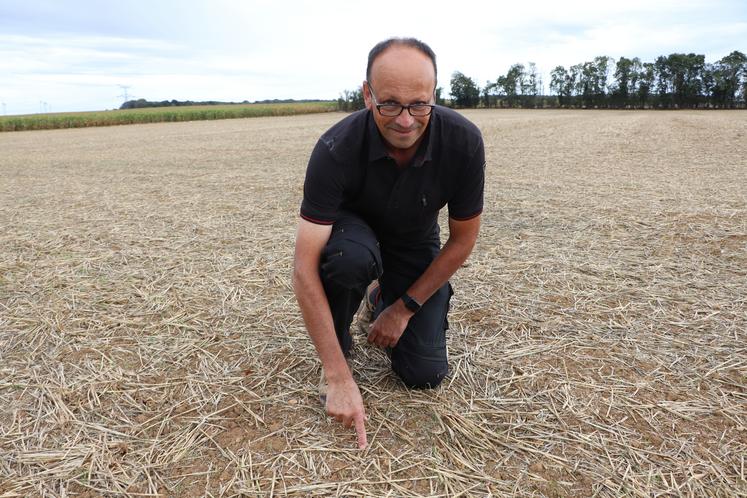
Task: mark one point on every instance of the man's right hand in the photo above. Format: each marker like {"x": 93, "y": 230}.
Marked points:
{"x": 344, "y": 401}
{"x": 345, "y": 404}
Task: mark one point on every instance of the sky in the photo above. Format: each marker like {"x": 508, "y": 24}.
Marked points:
{"x": 78, "y": 55}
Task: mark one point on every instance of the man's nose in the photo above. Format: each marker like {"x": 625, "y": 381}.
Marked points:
{"x": 404, "y": 120}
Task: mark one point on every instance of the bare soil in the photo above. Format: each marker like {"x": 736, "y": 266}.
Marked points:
{"x": 150, "y": 344}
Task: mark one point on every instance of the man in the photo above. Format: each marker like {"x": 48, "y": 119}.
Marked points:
{"x": 374, "y": 185}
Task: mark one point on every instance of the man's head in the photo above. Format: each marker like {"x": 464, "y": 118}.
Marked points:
{"x": 400, "y": 71}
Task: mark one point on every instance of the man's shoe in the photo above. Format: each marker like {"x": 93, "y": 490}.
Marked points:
{"x": 368, "y": 306}
{"x": 323, "y": 387}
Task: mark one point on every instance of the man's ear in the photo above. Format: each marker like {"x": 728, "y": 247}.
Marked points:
{"x": 367, "y": 95}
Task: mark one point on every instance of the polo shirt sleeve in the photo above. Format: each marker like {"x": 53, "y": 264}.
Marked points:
{"x": 467, "y": 201}
{"x": 323, "y": 187}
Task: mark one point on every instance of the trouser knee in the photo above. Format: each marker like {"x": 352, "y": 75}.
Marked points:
{"x": 350, "y": 263}
{"x": 420, "y": 373}
{"x": 350, "y": 260}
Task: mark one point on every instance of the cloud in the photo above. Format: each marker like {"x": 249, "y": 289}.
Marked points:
{"x": 236, "y": 50}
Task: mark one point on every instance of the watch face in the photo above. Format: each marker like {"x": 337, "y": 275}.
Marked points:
{"x": 410, "y": 303}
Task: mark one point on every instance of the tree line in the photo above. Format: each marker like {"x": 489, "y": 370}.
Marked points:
{"x": 142, "y": 103}
{"x": 676, "y": 81}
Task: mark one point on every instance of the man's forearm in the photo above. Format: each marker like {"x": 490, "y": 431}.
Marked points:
{"x": 318, "y": 319}
{"x": 447, "y": 262}
{"x": 454, "y": 253}
{"x": 392, "y": 321}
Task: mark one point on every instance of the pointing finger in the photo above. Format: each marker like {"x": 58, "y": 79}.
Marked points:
{"x": 360, "y": 429}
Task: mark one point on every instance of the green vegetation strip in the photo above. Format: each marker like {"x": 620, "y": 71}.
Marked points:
{"x": 158, "y": 115}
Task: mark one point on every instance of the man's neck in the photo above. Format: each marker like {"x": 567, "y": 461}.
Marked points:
{"x": 403, "y": 157}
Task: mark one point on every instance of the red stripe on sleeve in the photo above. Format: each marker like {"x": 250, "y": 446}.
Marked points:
{"x": 315, "y": 221}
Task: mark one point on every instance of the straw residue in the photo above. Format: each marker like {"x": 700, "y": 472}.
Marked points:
{"x": 150, "y": 343}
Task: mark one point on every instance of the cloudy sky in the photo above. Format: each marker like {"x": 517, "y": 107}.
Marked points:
{"x": 73, "y": 55}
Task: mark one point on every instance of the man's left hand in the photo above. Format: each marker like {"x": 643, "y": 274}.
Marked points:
{"x": 389, "y": 325}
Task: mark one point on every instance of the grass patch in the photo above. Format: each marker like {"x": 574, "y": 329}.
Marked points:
{"x": 159, "y": 115}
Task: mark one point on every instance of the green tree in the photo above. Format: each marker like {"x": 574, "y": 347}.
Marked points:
{"x": 623, "y": 76}
{"x": 728, "y": 75}
{"x": 709, "y": 82}
{"x": 663, "y": 81}
{"x": 351, "y": 100}
{"x": 601, "y": 76}
{"x": 464, "y": 91}
{"x": 490, "y": 94}
{"x": 575, "y": 83}
{"x": 636, "y": 69}
{"x": 694, "y": 74}
{"x": 591, "y": 81}
{"x": 587, "y": 83}
{"x": 500, "y": 90}
{"x": 677, "y": 80}
{"x": 513, "y": 84}
{"x": 645, "y": 83}
{"x": 531, "y": 86}
{"x": 685, "y": 73}
{"x": 559, "y": 78}
{"x": 439, "y": 97}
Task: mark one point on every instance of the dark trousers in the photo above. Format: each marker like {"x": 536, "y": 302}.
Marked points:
{"x": 350, "y": 261}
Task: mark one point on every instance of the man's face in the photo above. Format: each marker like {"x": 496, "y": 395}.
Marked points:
{"x": 400, "y": 75}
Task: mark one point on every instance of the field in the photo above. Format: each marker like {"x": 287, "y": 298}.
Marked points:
{"x": 150, "y": 343}
{"x": 52, "y": 121}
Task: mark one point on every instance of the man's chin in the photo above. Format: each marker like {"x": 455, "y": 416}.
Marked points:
{"x": 403, "y": 142}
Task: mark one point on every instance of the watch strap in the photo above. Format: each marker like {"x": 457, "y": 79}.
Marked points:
{"x": 410, "y": 303}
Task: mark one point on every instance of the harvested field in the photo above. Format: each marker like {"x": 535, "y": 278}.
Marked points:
{"x": 150, "y": 343}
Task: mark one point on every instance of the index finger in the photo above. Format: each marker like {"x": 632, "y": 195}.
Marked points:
{"x": 360, "y": 429}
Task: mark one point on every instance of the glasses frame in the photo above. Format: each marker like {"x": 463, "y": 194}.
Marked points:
{"x": 401, "y": 107}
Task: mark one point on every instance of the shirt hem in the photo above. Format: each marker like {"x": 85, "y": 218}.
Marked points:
{"x": 316, "y": 221}
{"x": 466, "y": 218}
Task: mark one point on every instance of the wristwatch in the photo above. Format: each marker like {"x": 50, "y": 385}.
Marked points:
{"x": 410, "y": 303}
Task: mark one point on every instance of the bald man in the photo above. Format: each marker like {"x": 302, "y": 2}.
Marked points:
{"x": 374, "y": 186}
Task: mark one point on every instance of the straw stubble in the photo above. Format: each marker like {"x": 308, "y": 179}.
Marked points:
{"x": 150, "y": 342}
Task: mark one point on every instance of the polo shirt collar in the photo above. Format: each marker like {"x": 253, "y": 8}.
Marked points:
{"x": 430, "y": 133}
{"x": 377, "y": 150}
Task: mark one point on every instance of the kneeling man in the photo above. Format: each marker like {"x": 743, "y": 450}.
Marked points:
{"x": 374, "y": 186}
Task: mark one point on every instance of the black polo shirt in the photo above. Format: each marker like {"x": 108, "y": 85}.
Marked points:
{"x": 350, "y": 170}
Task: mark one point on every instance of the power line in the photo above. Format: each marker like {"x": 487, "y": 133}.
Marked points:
{"x": 125, "y": 93}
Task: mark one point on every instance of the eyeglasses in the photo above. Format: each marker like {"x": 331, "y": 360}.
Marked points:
{"x": 393, "y": 110}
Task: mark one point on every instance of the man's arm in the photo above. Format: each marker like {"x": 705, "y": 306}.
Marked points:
{"x": 344, "y": 401}
{"x": 390, "y": 324}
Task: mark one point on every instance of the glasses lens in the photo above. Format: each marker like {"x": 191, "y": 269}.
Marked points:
{"x": 390, "y": 109}
{"x": 420, "y": 110}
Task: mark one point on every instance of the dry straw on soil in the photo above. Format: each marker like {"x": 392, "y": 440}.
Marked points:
{"x": 150, "y": 342}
